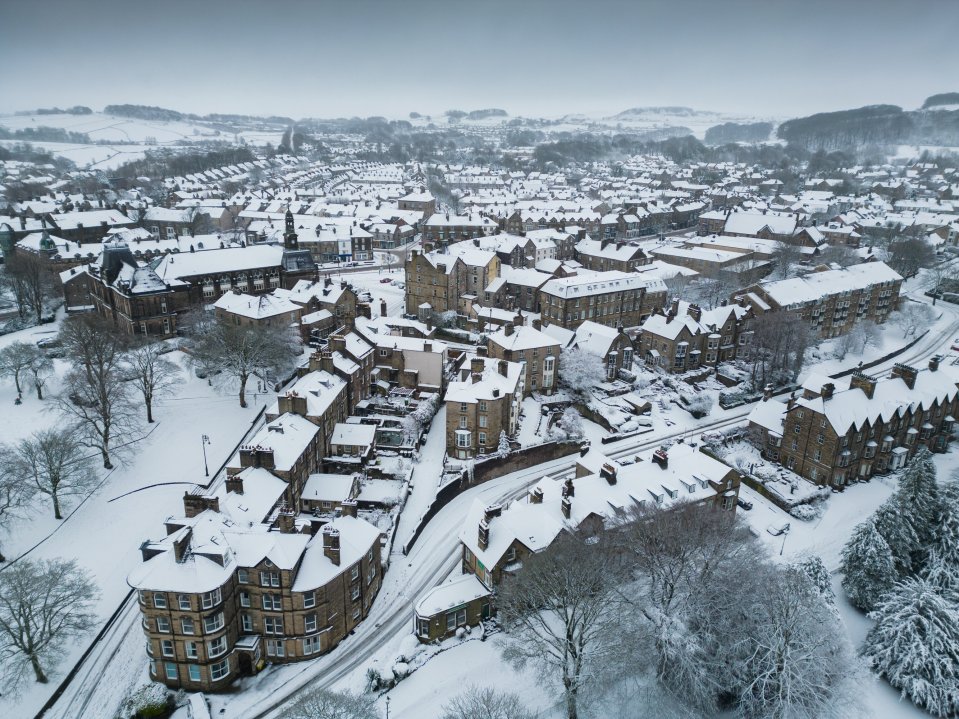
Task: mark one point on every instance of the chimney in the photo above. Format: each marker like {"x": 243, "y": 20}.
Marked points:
{"x": 906, "y": 372}
{"x": 866, "y": 383}
{"x": 537, "y": 325}
{"x": 934, "y": 362}
{"x": 476, "y": 364}
{"x": 502, "y": 366}
{"x": 608, "y": 472}
{"x": 508, "y": 329}
{"x": 536, "y": 495}
{"x": 349, "y": 508}
{"x": 567, "y": 507}
{"x": 331, "y": 544}
{"x": 476, "y": 377}
{"x": 293, "y": 403}
{"x": 482, "y": 537}
{"x": 661, "y": 458}
{"x": 234, "y": 484}
{"x": 767, "y": 393}
{"x": 181, "y": 545}
{"x": 286, "y": 520}
{"x": 427, "y": 346}
{"x": 827, "y": 390}
{"x": 568, "y": 489}
{"x": 695, "y": 312}
{"x": 481, "y": 351}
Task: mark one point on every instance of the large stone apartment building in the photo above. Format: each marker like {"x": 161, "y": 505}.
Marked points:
{"x": 241, "y": 579}
{"x": 440, "y": 280}
{"x": 840, "y": 431}
{"x": 536, "y": 350}
{"x": 609, "y": 298}
{"x": 831, "y": 301}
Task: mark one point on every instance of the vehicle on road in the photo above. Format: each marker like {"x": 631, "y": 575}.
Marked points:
{"x": 744, "y": 503}
{"x": 778, "y": 529}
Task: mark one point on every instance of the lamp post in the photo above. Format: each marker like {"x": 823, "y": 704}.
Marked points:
{"x": 387, "y": 707}
{"x": 785, "y": 534}
{"x": 206, "y": 468}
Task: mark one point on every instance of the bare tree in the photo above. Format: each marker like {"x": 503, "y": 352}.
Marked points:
{"x": 40, "y": 369}
{"x": 54, "y": 461}
{"x": 14, "y": 492}
{"x": 95, "y": 396}
{"x": 325, "y": 704}
{"x": 30, "y": 280}
{"x": 243, "y": 351}
{"x": 15, "y": 361}
{"x": 909, "y": 255}
{"x": 151, "y": 373}
{"x": 43, "y": 605}
{"x": 863, "y": 334}
{"x": 911, "y": 316}
{"x": 562, "y": 612}
{"x": 778, "y": 349}
{"x": 580, "y": 371}
{"x": 486, "y": 703}
{"x": 784, "y": 257}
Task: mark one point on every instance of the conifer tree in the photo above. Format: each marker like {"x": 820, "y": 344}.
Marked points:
{"x": 918, "y": 499}
{"x": 868, "y": 568}
{"x": 915, "y": 645}
{"x": 898, "y": 531}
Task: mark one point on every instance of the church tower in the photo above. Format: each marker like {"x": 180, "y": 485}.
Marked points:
{"x": 290, "y": 241}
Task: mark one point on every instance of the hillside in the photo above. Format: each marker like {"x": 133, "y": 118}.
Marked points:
{"x": 738, "y": 132}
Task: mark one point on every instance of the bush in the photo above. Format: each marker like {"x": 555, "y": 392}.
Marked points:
{"x": 806, "y": 512}
{"x": 699, "y": 405}
{"x": 152, "y": 701}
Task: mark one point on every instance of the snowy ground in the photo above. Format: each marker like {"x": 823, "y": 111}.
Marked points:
{"x": 104, "y": 531}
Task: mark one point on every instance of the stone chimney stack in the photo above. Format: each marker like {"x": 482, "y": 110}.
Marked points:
{"x": 181, "y": 545}
{"x": 907, "y": 373}
{"x": 695, "y": 311}
{"x": 508, "y": 329}
{"x": 331, "y": 544}
{"x": 536, "y": 495}
{"x": 674, "y": 306}
{"x": 537, "y": 325}
{"x": 934, "y": 362}
{"x": 234, "y": 484}
{"x": 503, "y": 367}
{"x": 292, "y": 402}
{"x": 827, "y": 390}
{"x": 476, "y": 377}
{"x": 286, "y": 520}
{"x": 482, "y": 537}
{"x": 864, "y": 382}
{"x": 767, "y": 393}
{"x": 567, "y": 507}
{"x": 349, "y": 508}
{"x": 477, "y": 364}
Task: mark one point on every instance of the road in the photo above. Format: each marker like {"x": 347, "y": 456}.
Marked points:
{"x": 432, "y": 559}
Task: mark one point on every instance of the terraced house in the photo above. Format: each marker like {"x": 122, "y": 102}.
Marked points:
{"x": 609, "y": 298}
{"x": 841, "y": 431}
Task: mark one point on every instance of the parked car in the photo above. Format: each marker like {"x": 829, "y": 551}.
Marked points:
{"x": 385, "y": 281}
{"x": 778, "y": 529}
{"x": 744, "y": 503}
{"x": 49, "y": 342}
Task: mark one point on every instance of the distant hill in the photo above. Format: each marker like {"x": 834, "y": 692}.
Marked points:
{"x": 738, "y": 132}
{"x": 489, "y": 112}
{"x": 674, "y": 110}
{"x": 871, "y": 125}
{"x": 149, "y": 112}
{"x": 944, "y": 98}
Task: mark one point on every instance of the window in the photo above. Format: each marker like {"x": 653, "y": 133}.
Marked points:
{"x": 247, "y": 623}
{"x": 355, "y": 593}
{"x": 184, "y": 601}
{"x": 311, "y": 645}
{"x": 273, "y": 602}
{"x": 210, "y": 599}
{"x": 191, "y": 652}
{"x": 273, "y": 625}
{"x": 163, "y": 625}
{"x": 463, "y": 422}
{"x": 242, "y": 576}
{"x": 482, "y": 437}
{"x": 166, "y": 647}
{"x": 275, "y": 648}
{"x": 195, "y": 674}
{"x": 463, "y": 406}
{"x": 220, "y": 670}
{"x": 482, "y": 406}
{"x": 462, "y": 439}
{"x": 729, "y": 502}
{"x": 213, "y": 623}
{"x": 159, "y": 601}
{"x": 355, "y": 572}
{"x": 244, "y": 599}
{"x": 170, "y": 669}
{"x": 455, "y": 619}
{"x": 820, "y": 439}
{"x": 382, "y": 352}
{"x": 309, "y": 600}
{"x": 797, "y": 428}
{"x": 482, "y": 420}
{"x": 356, "y": 613}
{"x": 269, "y": 579}
{"x": 371, "y": 575}
{"x": 309, "y": 623}
{"x": 216, "y": 647}
{"x": 186, "y": 624}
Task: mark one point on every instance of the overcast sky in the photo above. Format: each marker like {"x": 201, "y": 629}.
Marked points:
{"x": 325, "y": 58}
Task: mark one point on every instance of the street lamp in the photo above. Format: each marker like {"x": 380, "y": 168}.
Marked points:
{"x": 785, "y": 534}
{"x": 206, "y": 468}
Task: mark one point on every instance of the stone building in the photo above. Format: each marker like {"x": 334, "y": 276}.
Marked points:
{"x": 483, "y": 402}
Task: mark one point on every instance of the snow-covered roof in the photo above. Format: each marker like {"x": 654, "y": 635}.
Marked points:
{"x": 601, "y": 283}
{"x": 257, "y": 307}
{"x": 354, "y": 435}
{"x": 816, "y": 285}
{"x": 522, "y": 338}
{"x": 453, "y": 593}
{"x": 231, "y": 259}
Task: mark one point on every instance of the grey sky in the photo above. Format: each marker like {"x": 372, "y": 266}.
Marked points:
{"x": 327, "y": 58}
